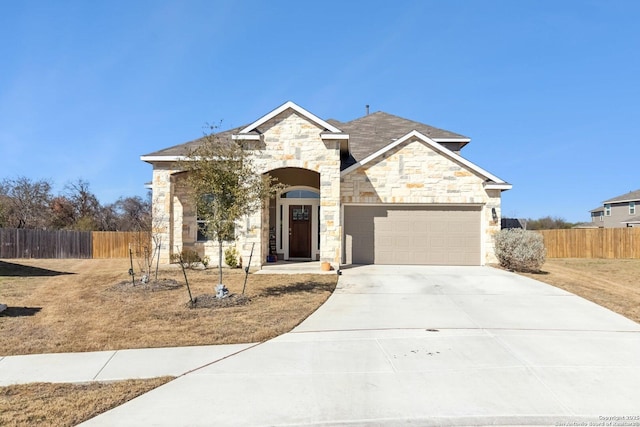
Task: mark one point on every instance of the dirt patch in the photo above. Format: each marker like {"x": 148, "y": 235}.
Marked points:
{"x": 211, "y": 301}
{"x": 151, "y": 286}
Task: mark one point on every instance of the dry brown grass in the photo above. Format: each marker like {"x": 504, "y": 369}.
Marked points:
{"x": 75, "y": 305}
{"x": 57, "y": 307}
{"x": 611, "y": 283}
{"x": 46, "y": 404}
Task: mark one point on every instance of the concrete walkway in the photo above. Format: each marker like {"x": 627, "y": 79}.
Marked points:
{"x": 110, "y": 365}
{"x": 419, "y": 346}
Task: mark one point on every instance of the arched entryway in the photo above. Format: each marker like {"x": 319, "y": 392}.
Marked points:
{"x": 294, "y": 216}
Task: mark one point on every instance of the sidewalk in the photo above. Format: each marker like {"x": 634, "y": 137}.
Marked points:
{"x": 418, "y": 346}
{"x": 111, "y": 365}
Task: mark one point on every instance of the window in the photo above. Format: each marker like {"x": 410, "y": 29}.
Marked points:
{"x": 201, "y": 221}
{"x": 202, "y": 231}
{"x": 300, "y": 194}
{"x": 632, "y": 208}
{"x": 607, "y": 210}
{"x": 202, "y": 227}
{"x": 601, "y": 216}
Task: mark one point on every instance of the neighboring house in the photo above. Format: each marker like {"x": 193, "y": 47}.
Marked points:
{"x": 597, "y": 217}
{"x": 379, "y": 189}
{"x": 587, "y": 225}
{"x": 507, "y": 223}
{"x": 621, "y": 211}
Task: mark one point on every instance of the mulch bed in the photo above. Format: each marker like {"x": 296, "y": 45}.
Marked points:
{"x": 211, "y": 301}
{"x": 151, "y": 286}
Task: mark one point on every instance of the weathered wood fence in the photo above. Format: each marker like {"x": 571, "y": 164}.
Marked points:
{"x": 593, "y": 243}
{"x": 28, "y": 243}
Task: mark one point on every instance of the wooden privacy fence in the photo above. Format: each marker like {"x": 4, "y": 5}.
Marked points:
{"x": 592, "y": 243}
{"x": 116, "y": 244}
{"x": 28, "y": 243}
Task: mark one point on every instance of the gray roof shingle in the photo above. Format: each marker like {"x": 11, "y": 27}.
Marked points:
{"x": 632, "y": 195}
{"x": 372, "y": 132}
{"x": 367, "y": 135}
{"x": 633, "y": 219}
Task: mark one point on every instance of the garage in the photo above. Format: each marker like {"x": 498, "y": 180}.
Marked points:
{"x": 419, "y": 235}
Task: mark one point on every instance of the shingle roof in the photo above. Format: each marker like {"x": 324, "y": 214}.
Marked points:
{"x": 374, "y": 131}
{"x": 181, "y": 149}
{"x": 633, "y": 219}
{"x": 598, "y": 209}
{"x": 587, "y": 225}
{"x": 367, "y": 135}
{"x": 630, "y": 196}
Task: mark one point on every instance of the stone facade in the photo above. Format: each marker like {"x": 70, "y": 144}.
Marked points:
{"x": 292, "y": 141}
{"x": 297, "y": 147}
{"x": 414, "y": 173}
{"x": 288, "y": 141}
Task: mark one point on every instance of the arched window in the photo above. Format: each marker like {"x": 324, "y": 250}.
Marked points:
{"x": 300, "y": 194}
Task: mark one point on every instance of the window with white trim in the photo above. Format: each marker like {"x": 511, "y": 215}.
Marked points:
{"x": 607, "y": 210}
{"x": 201, "y": 222}
{"x": 601, "y": 216}
{"x": 632, "y": 208}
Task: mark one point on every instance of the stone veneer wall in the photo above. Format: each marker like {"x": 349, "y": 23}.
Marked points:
{"x": 174, "y": 217}
{"x": 289, "y": 141}
{"x": 292, "y": 141}
{"x": 415, "y": 173}
{"x": 163, "y": 208}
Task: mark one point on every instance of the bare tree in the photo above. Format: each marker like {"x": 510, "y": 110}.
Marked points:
{"x": 134, "y": 213}
{"x": 26, "y": 202}
{"x": 63, "y": 215}
{"x": 85, "y": 204}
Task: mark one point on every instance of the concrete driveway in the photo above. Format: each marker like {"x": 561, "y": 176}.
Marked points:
{"x": 419, "y": 346}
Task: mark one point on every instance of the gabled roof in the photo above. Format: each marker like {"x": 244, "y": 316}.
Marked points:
{"x": 367, "y": 136}
{"x": 632, "y": 196}
{"x": 295, "y": 107}
{"x": 596, "y": 210}
{"x": 492, "y": 181}
{"x": 374, "y": 131}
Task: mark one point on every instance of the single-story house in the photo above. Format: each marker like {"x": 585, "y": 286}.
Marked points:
{"x": 379, "y": 189}
{"x": 619, "y": 211}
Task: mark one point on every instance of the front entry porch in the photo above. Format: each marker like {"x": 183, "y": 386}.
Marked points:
{"x": 296, "y": 225}
{"x": 293, "y": 217}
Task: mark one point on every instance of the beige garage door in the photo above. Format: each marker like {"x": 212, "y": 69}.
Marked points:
{"x": 424, "y": 235}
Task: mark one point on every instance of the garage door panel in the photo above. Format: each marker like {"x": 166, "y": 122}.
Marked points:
{"x": 413, "y": 235}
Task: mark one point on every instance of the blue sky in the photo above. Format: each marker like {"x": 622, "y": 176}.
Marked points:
{"x": 548, "y": 91}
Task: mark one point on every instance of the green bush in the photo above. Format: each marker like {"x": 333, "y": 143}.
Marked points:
{"x": 231, "y": 257}
{"x": 520, "y": 250}
{"x": 190, "y": 258}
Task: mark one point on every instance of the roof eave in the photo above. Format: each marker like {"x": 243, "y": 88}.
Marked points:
{"x": 153, "y": 159}
{"x": 498, "y": 186}
{"x": 608, "y": 202}
{"x": 465, "y": 140}
{"x": 246, "y": 137}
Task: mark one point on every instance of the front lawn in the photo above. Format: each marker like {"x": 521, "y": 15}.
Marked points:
{"x": 89, "y": 305}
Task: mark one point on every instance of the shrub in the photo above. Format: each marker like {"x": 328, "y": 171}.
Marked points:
{"x": 231, "y": 257}
{"x": 190, "y": 258}
{"x": 520, "y": 250}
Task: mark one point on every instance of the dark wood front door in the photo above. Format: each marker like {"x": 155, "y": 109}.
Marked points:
{"x": 300, "y": 231}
